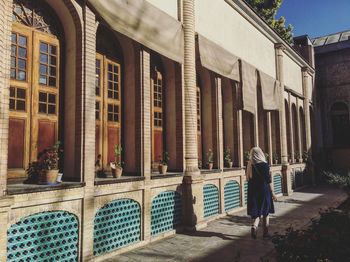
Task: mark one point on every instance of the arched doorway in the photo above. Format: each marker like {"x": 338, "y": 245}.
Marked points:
{"x": 340, "y": 124}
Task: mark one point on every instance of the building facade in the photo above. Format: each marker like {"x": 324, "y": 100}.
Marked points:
{"x": 332, "y": 57}
{"x": 200, "y": 81}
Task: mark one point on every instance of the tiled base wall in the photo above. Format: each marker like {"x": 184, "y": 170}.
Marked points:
{"x": 125, "y": 216}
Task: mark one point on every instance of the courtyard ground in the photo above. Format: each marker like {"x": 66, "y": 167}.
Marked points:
{"x": 228, "y": 239}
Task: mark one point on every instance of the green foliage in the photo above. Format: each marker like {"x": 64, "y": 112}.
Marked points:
{"x": 246, "y": 156}
{"x": 267, "y": 9}
{"x": 165, "y": 158}
{"x": 327, "y": 239}
{"x": 340, "y": 180}
{"x": 227, "y": 156}
{"x": 210, "y": 156}
{"x": 117, "y": 155}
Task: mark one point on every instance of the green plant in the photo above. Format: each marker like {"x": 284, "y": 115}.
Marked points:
{"x": 227, "y": 156}
{"x": 246, "y": 156}
{"x": 275, "y": 157}
{"x": 117, "y": 155}
{"x": 297, "y": 155}
{"x": 210, "y": 156}
{"x": 199, "y": 164}
{"x": 340, "y": 180}
{"x": 164, "y": 160}
{"x": 267, "y": 157}
{"x": 49, "y": 158}
{"x": 33, "y": 171}
{"x": 305, "y": 156}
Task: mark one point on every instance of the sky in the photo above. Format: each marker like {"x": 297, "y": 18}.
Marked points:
{"x": 316, "y": 17}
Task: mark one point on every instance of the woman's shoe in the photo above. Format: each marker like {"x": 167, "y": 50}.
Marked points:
{"x": 253, "y": 232}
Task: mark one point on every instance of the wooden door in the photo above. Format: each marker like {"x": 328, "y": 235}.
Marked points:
{"x": 34, "y": 96}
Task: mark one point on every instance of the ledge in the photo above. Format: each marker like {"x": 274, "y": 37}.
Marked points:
{"x": 207, "y": 171}
{"x": 167, "y": 175}
{"x": 123, "y": 179}
{"x": 229, "y": 169}
{"x": 20, "y": 188}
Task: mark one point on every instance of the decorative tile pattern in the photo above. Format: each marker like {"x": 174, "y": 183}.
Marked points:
{"x": 277, "y": 184}
{"x": 211, "y": 200}
{"x": 166, "y": 212}
{"x": 116, "y": 225}
{"x": 246, "y": 192}
{"x": 232, "y": 195}
{"x": 47, "y": 236}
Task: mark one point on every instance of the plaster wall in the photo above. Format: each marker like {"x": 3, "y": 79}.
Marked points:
{"x": 292, "y": 75}
{"x": 168, "y": 6}
{"x": 220, "y": 23}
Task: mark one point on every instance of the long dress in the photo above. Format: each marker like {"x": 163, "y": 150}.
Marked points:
{"x": 260, "y": 201}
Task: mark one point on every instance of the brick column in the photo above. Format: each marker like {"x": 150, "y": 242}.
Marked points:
{"x": 299, "y": 133}
{"x": 220, "y": 127}
{"x": 145, "y": 87}
{"x": 269, "y": 138}
{"x": 193, "y": 180}
{"x": 88, "y": 134}
{"x": 5, "y": 47}
{"x": 279, "y": 49}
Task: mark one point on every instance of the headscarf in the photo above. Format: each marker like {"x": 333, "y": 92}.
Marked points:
{"x": 256, "y": 156}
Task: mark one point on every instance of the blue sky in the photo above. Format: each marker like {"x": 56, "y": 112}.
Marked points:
{"x": 316, "y": 17}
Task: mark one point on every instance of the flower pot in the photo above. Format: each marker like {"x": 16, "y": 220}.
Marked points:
{"x": 276, "y": 162}
{"x": 118, "y": 171}
{"x": 162, "y": 169}
{"x": 229, "y": 164}
{"x": 59, "y": 178}
{"x": 210, "y": 166}
{"x": 48, "y": 177}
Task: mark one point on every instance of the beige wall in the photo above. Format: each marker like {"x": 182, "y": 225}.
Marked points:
{"x": 292, "y": 75}
{"x": 168, "y": 6}
{"x": 220, "y": 23}
{"x": 310, "y": 85}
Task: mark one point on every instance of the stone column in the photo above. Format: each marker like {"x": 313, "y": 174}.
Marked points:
{"x": 193, "y": 180}
{"x": 240, "y": 138}
{"x": 287, "y": 187}
{"x": 5, "y": 209}
{"x": 88, "y": 133}
{"x": 269, "y": 138}
{"x": 220, "y": 127}
{"x": 256, "y": 123}
{"x": 5, "y": 46}
{"x": 299, "y": 133}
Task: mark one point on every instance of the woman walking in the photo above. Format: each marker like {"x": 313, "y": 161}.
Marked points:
{"x": 260, "y": 191}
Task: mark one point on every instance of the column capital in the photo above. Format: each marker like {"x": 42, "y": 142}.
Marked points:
{"x": 306, "y": 69}
{"x": 280, "y": 46}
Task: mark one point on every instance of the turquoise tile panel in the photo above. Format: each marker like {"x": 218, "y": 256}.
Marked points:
{"x": 232, "y": 195}
{"x": 166, "y": 213}
{"x": 46, "y": 236}
{"x": 211, "y": 200}
{"x": 245, "y": 192}
{"x": 116, "y": 225}
{"x": 277, "y": 184}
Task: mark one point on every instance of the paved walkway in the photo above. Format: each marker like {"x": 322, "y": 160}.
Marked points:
{"x": 228, "y": 239}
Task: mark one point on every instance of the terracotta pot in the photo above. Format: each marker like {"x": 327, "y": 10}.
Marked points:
{"x": 162, "y": 169}
{"x": 117, "y": 172}
{"x": 210, "y": 166}
{"x": 276, "y": 162}
{"x": 48, "y": 177}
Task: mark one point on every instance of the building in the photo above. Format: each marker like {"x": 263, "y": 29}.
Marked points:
{"x": 183, "y": 77}
{"x": 332, "y": 57}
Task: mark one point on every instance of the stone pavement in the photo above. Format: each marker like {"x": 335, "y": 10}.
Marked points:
{"x": 228, "y": 239}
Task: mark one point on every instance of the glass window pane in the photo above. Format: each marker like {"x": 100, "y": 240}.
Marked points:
{"x": 43, "y": 80}
{"x": 21, "y": 75}
{"x": 110, "y": 67}
{"x": 52, "y": 70}
{"x": 42, "y": 108}
{"x": 21, "y": 106}
{"x": 52, "y": 109}
{"x": 13, "y": 73}
{"x": 43, "y": 58}
{"x": 110, "y": 94}
{"x": 13, "y": 50}
{"x": 53, "y": 60}
{"x": 21, "y": 93}
{"x": 12, "y": 92}
{"x": 13, "y": 62}
{"x": 53, "y": 49}
{"x": 12, "y": 104}
{"x": 110, "y": 117}
{"x": 110, "y": 77}
{"x": 14, "y": 38}
{"x": 43, "y": 47}
{"x": 97, "y": 91}
{"x": 52, "y": 98}
{"x": 22, "y": 52}
{"x": 52, "y": 81}
{"x": 43, "y": 69}
{"x": 110, "y": 108}
{"x": 22, "y": 40}
{"x": 22, "y": 64}
{"x": 42, "y": 97}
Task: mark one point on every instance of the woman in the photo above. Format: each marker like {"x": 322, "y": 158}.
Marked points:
{"x": 260, "y": 191}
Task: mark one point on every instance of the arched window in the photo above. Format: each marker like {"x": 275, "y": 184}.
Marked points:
{"x": 36, "y": 44}
{"x": 340, "y": 124}
{"x": 108, "y": 95}
{"x": 158, "y": 112}
{"x": 199, "y": 121}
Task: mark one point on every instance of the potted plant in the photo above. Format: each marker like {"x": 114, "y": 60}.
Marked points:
{"x": 33, "y": 172}
{"x": 210, "y": 159}
{"x": 305, "y": 156}
{"x": 275, "y": 158}
{"x": 199, "y": 164}
{"x": 48, "y": 165}
{"x": 164, "y": 160}
{"x": 290, "y": 158}
{"x": 116, "y": 166}
{"x": 267, "y": 157}
{"x": 227, "y": 158}
{"x": 297, "y": 156}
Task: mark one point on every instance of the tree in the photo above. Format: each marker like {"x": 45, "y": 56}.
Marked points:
{"x": 267, "y": 9}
